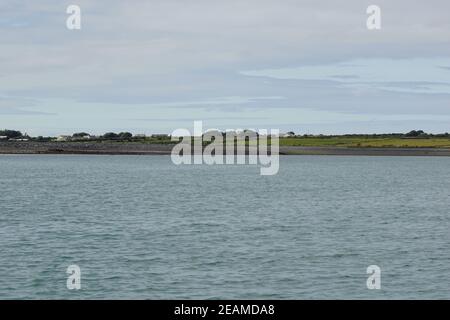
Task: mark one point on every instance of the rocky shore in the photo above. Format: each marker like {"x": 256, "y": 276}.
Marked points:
{"x": 136, "y": 148}
{"x": 30, "y": 147}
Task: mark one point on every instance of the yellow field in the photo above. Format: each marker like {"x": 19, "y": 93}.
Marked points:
{"x": 362, "y": 142}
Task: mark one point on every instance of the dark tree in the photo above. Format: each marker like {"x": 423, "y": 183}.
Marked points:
{"x": 125, "y": 135}
{"x": 110, "y": 135}
{"x": 80, "y": 134}
{"x": 415, "y": 133}
{"x": 11, "y": 133}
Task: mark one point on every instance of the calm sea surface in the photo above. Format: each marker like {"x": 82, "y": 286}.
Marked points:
{"x": 140, "y": 227}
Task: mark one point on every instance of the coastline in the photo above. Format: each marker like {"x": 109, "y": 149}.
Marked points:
{"x": 112, "y": 148}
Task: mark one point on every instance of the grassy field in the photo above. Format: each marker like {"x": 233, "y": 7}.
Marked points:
{"x": 362, "y": 142}
{"x": 329, "y": 141}
{"x": 366, "y": 142}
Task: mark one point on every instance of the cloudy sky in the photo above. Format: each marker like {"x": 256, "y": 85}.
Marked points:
{"x": 310, "y": 66}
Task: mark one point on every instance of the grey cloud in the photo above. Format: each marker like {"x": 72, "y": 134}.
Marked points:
{"x": 160, "y": 53}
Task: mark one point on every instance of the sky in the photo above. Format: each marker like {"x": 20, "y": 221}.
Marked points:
{"x": 310, "y": 66}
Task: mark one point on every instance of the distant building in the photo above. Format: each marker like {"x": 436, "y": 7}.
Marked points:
{"x": 64, "y": 138}
{"x": 3, "y": 138}
{"x": 140, "y": 135}
{"x": 288, "y": 134}
{"x": 86, "y": 137}
{"x": 160, "y": 135}
{"x": 283, "y": 135}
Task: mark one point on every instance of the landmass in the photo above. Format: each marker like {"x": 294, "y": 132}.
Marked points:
{"x": 414, "y": 143}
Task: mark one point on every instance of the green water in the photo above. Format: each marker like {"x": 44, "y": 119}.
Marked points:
{"x": 140, "y": 227}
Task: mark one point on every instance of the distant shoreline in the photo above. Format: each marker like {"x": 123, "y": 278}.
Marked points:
{"x": 112, "y": 148}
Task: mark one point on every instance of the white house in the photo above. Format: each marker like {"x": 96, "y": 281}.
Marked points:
{"x": 63, "y": 138}
{"x": 288, "y": 134}
{"x": 160, "y": 135}
{"x": 86, "y": 137}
